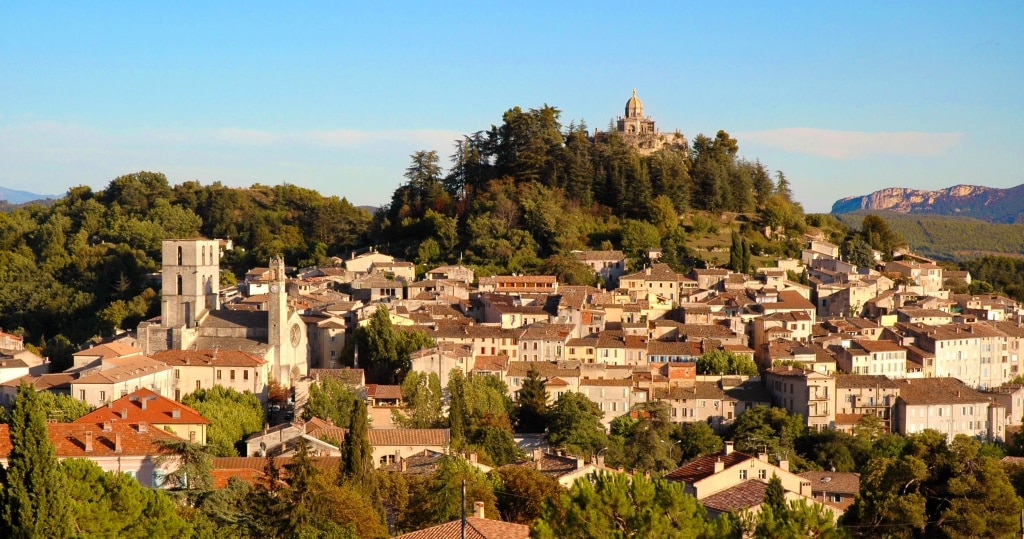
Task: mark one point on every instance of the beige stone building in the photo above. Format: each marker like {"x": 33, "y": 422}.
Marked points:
{"x": 117, "y": 377}
{"x": 203, "y": 369}
{"x": 808, "y": 393}
{"x": 950, "y": 407}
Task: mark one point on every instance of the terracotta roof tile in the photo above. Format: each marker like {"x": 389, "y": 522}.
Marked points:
{"x": 138, "y": 439}
{"x": 834, "y": 482}
{"x": 144, "y": 405}
{"x": 702, "y": 467}
{"x": 208, "y": 358}
{"x": 745, "y": 495}
{"x": 476, "y": 528}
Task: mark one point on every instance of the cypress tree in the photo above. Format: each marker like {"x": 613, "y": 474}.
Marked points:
{"x": 736, "y": 253}
{"x": 775, "y": 497}
{"x": 34, "y": 497}
{"x": 532, "y": 403}
{"x": 457, "y": 412}
{"x": 357, "y": 454}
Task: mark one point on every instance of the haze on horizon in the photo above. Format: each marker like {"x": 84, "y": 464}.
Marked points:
{"x": 845, "y": 99}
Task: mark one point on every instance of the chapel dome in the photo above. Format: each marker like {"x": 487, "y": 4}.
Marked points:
{"x": 634, "y": 107}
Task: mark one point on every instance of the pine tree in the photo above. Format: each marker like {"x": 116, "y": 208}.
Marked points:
{"x": 34, "y": 497}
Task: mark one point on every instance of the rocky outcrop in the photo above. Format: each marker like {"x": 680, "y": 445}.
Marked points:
{"x": 985, "y": 203}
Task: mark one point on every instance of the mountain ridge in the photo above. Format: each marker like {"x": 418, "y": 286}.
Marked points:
{"x": 14, "y": 196}
{"x": 992, "y": 204}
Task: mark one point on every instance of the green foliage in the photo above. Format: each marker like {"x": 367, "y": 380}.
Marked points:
{"x": 574, "y": 424}
{"x": 191, "y": 463}
{"x": 646, "y": 443}
{"x": 437, "y": 498}
{"x": 357, "y": 454}
{"x": 232, "y": 415}
{"x": 620, "y": 506}
{"x": 329, "y": 399}
{"x": 770, "y": 430}
{"x": 34, "y": 495}
{"x": 726, "y": 362}
{"x": 479, "y": 417}
{"x": 109, "y": 504}
{"x": 383, "y": 349}
{"x": 62, "y": 408}
{"x": 697, "y": 439}
{"x": 531, "y": 406}
{"x": 933, "y": 488}
{"x": 421, "y": 394}
{"x": 313, "y": 504}
{"x": 523, "y": 492}
{"x": 949, "y": 237}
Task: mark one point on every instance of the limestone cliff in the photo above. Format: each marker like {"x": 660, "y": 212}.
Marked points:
{"x": 985, "y": 203}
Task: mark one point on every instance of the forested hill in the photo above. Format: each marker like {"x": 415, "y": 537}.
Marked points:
{"x": 521, "y": 192}
{"x": 78, "y": 267}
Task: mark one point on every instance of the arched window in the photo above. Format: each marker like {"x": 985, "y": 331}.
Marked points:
{"x": 179, "y": 257}
{"x": 179, "y": 283}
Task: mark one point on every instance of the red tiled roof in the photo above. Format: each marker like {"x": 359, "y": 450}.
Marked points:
{"x": 158, "y": 410}
{"x": 833, "y": 482}
{"x": 138, "y": 439}
{"x": 476, "y": 528}
{"x": 430, "y": 437}
{"x": 737, "y": 498}
{"x": 114, "y": 349}
{"x": 379, "y": 391}
{"x": 209, "y": 358}
{"x": 702, "y": 467}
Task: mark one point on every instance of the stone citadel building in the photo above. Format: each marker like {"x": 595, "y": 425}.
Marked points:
{"x": 640, "y": 132}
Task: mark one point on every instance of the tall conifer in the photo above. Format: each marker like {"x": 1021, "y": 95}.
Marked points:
{"x": 34, "y": 502}
{"x": 357, "y": 454}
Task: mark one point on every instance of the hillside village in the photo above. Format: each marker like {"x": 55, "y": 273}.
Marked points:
{"x": 890, "y": 342}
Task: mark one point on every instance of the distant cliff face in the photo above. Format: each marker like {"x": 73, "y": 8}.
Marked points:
{"x": 984, "y": 203}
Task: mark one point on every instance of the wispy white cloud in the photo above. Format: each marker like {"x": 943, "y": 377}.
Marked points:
{"x": 835, "y": 144}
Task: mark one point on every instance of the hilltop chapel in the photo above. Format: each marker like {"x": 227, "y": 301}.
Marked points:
{"x": 191, "y": 317}
{"x": 640, "y": 132}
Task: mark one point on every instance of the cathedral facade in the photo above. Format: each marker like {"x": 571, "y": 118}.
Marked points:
{"x": 640, "y": 132}
{"x": 191, "y": 317}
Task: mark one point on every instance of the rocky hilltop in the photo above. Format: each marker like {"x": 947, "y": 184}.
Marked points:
{"x": 985, "y": 203}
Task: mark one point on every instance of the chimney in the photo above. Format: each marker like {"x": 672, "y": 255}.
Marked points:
{"x": 176, "y": 413}
{"x": 478, "y": 509}
{"x": 117, "y": 442}
{"x": 719, "y": 465}
{"x": 88, "y": 441}
{"x": 404, "y": 465}
{"x": 473, "y": 457}
{"x": 107, "y": 426}
{"x": 124, "y": 413}
{"x": 143, "y": 428}
{"x": 763, "y": 457}
{"x": 142, "y": 403}
{"x": 784, "y": 464}
{"x": 728, "y": 448}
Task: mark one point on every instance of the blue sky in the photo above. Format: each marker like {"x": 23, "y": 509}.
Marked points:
{"x": 844, "y": 97}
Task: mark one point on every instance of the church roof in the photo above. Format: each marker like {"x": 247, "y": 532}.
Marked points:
{"x": 634, "y": 107}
